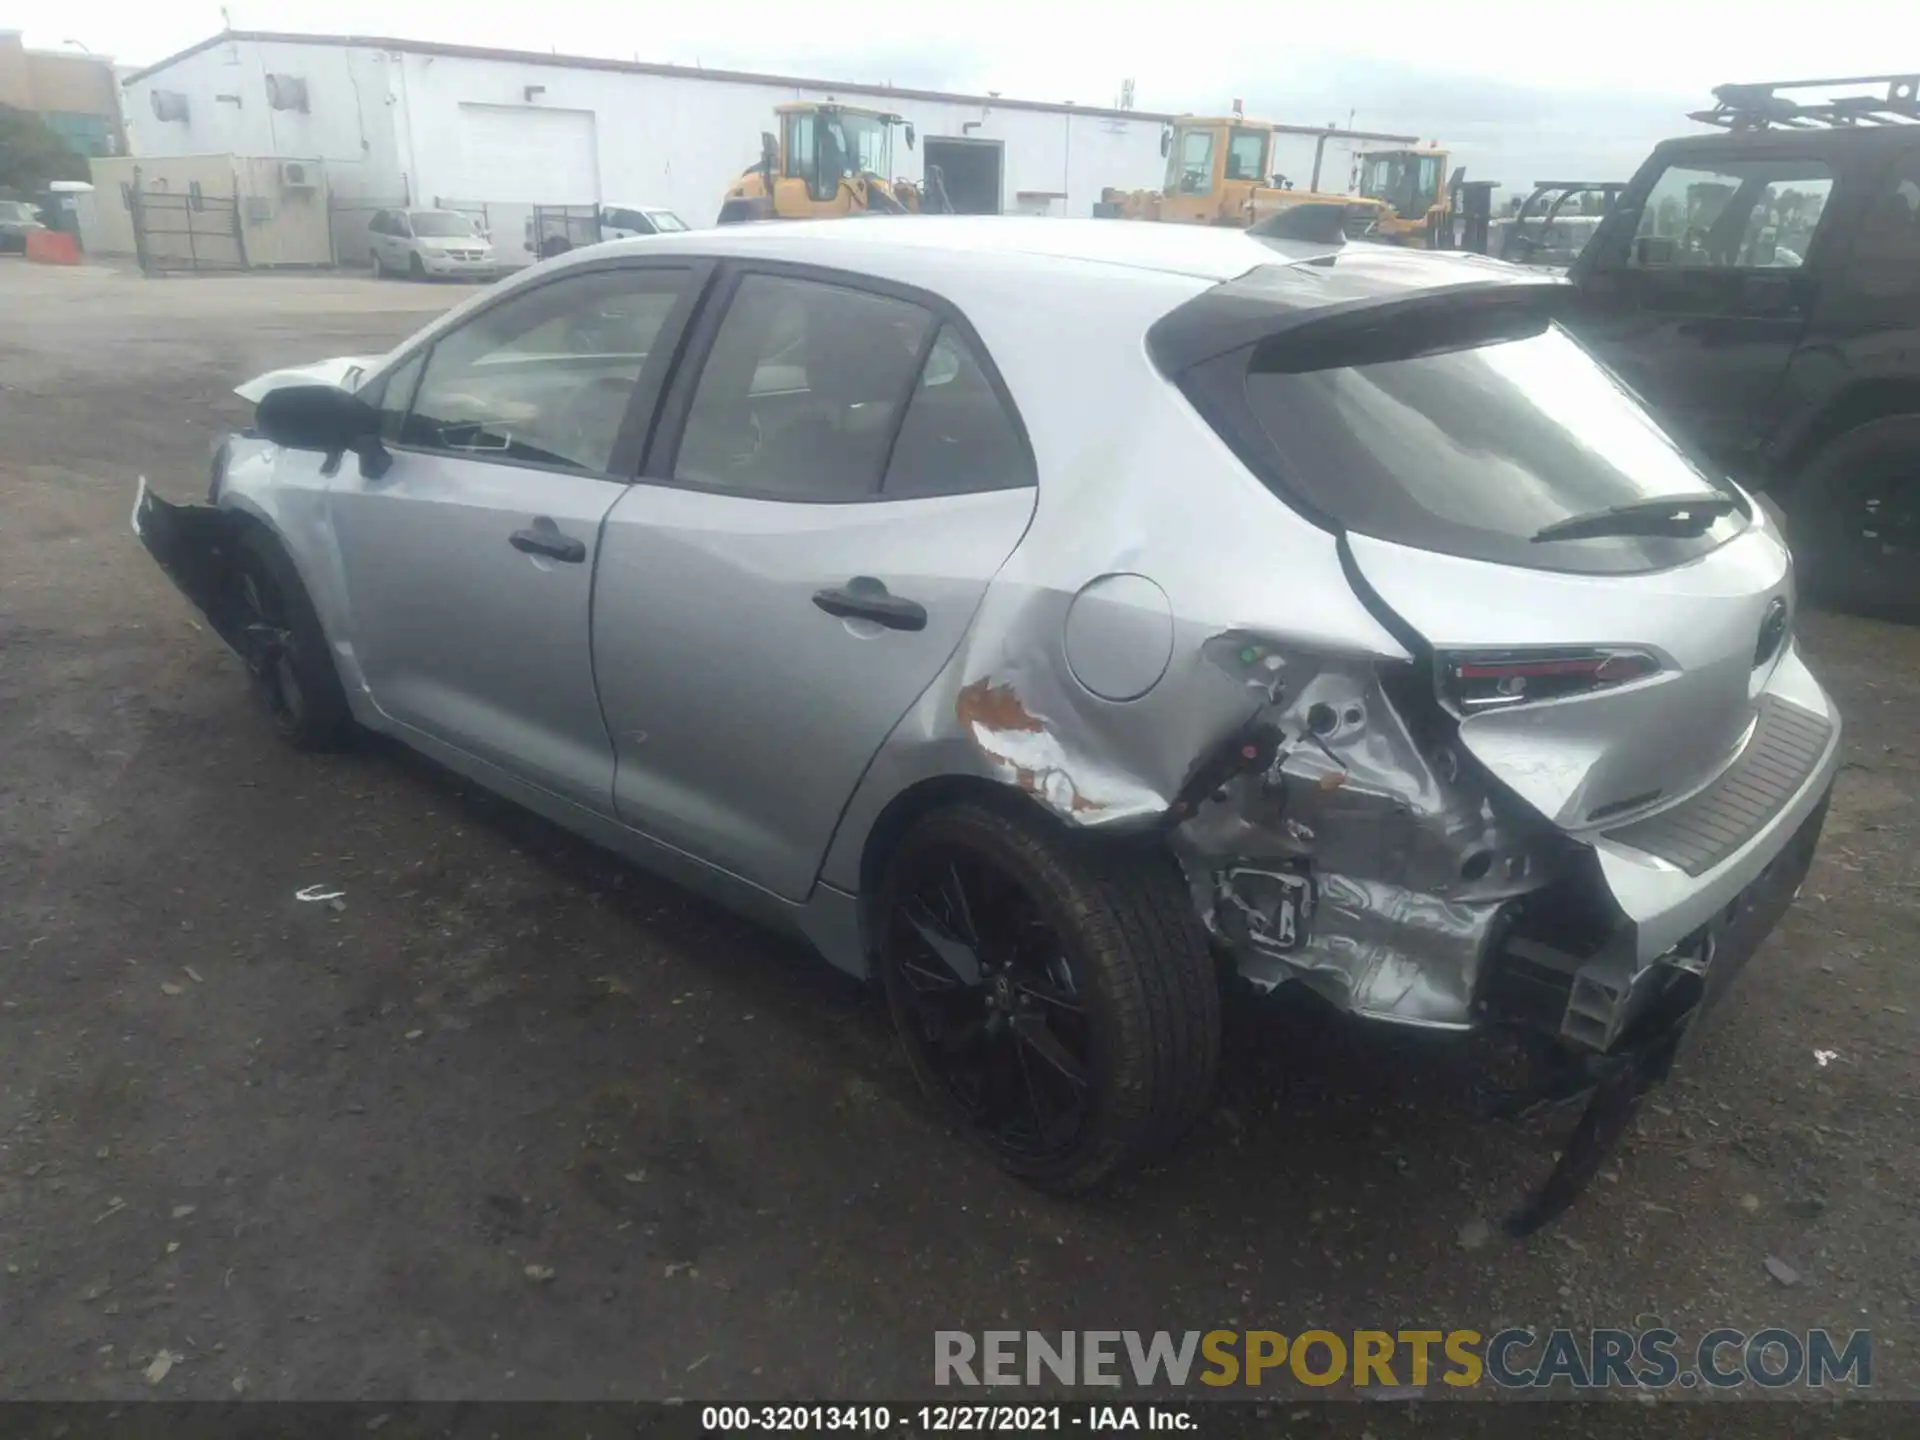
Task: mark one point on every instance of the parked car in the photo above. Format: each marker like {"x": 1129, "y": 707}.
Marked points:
{"x": 426, "y": 244}
{"x": 1760, "y": 288}
{"x": 1030, "y": 612}
{"x": 622, "y": 222}
{"x": 18, "y": 219}
{"x": 564, "y": 228}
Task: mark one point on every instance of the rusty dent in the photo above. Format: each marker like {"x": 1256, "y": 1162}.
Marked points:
{"x": 1020, "y": 745}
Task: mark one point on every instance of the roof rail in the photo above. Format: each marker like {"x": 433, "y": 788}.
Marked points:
{"x": 1760, "y": 107}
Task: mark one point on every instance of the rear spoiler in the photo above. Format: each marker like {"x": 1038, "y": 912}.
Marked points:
{"x": 1357, "y": 306}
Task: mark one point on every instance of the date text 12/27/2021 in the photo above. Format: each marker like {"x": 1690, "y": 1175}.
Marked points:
{"x": 943, "y": 1419}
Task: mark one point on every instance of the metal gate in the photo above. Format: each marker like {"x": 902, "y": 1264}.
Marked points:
{"x": 187, "y": 231}
{"x": 556, "y": 229}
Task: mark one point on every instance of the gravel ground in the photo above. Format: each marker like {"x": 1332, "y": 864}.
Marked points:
{"x": 312, "y": 1152}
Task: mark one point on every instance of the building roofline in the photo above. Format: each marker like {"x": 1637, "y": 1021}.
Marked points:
{"x": 694, "y": 72}
{"x": 636, "y": 67}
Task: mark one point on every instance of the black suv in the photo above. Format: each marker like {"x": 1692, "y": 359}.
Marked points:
{"x": 1761, "y": 289}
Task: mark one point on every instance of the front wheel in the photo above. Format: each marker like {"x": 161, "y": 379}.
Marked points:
{"x": 1854, "y": 518}
{"x": 286, "y": 650}
{"x": 1056, "y": 995}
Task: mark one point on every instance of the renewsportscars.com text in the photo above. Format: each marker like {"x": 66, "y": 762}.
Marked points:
{"x": 1515, "y": 1358}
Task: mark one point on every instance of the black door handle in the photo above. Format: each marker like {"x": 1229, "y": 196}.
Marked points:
{"x": 543, "y": 537}
{"x": 865, "y": 598}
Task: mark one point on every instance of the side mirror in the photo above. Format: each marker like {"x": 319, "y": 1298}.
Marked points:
{"x": 323, "y": 418}
{"x": 769, "y": 148}
{"x": 1166, "y": 141}
{"x": 909, "y": 134}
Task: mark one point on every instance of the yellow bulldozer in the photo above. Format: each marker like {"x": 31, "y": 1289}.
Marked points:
{"x": 829, "y": 161}
{"x": 1219, "y": 172}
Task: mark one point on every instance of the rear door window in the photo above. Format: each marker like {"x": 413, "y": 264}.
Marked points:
{"x": 1886, "y": 257}
{"x": 802, "y": 391}
{"x": 957, "y": 437}
{"x": 1474, "y": 451}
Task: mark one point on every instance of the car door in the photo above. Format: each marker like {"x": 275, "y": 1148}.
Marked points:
{"x": 836, "y": 482}
{"x": 468, "y": 564}
{"x": 1700, "y": 286}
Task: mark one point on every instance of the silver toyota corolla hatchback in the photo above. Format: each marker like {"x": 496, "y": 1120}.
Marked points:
{"x": 1036, "y": 614}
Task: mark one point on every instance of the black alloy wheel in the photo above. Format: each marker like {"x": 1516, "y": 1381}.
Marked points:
{"x": 1053, "y": 992}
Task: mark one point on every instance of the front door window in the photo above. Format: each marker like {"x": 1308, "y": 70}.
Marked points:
{"x": 1732, "y": 214}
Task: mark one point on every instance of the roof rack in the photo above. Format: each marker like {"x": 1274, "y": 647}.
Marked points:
{"x": 1759, "y": 107}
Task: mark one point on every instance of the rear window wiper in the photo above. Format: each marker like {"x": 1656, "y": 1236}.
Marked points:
{"x": 1684, "y": 515}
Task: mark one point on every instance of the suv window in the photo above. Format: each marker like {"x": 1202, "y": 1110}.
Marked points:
{"x": 800, "y": 393}
{"x": 545, "y": 378}
{"x": 1473, "y": 451}
{"x": 378, "y": 225}
{"x": 1746, "y": 214}
{"x": 957, "y": 437}
{"x": 1886, "y": 257}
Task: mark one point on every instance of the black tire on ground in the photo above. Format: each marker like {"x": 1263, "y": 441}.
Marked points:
{"x": 416, "y": 268}
{"x": 1853, "y": 518}
{"x": 290, "y": 663}
{"x": 1116, "y": 929}
{"x": 379, "y": 267}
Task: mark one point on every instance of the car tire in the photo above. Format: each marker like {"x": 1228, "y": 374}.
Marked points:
{"x": 288, "y": 659}
{"x": 416, "y": 268}
{"x": 1093, "y": 951}
{"x": 379, "y": 267}
{"x": 1865, "y": 475}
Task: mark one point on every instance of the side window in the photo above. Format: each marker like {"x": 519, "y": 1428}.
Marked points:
{"x": 801, "y": 390}
{"x": 1196, "y": 162}
{"x": 957, "y": 437}
{"x": 1886, "y": 257}
{"x": 800, "y": 146}
{"x": 396, "y": 397}
{"x": 1745, "y": 214}
{"x": 546, "y": 377}
{"x": 1247, "y": 156}
{"x": 628, "y": 220}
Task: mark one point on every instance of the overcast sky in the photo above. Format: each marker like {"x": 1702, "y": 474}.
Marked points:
{"x": 1507, "y": 87}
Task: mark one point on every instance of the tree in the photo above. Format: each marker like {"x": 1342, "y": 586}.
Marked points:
{"x": 32, "y": 156}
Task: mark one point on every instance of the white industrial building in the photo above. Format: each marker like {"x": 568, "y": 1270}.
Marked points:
{"x": 402, "y": 121}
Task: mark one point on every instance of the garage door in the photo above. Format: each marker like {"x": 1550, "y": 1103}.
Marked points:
{"x": 535, "y": 157}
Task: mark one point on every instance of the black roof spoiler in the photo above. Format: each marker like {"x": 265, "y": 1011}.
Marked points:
{"x": 1309, "y": 316}
{"x": 1323, "y": 222}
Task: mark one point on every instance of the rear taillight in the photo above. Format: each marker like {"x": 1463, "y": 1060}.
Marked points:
{"x": 1493, "y": 679}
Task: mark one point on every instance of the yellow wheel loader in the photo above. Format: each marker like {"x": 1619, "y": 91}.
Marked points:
{"x": 1219, "y": 172}
{"x": 1413, "y": 186}
{"x": 827, "y": 162}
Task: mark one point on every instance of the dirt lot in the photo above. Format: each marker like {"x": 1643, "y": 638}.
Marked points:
{"x": 311, "y": 1152}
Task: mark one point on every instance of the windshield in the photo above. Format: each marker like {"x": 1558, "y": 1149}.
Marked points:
{"x": 852, "y": 144}
{"x": 1473, "y": 451}
{"x": 1407, "y": 180}
{"x": 15, "y": 210}
{"x": 441, "y": 224}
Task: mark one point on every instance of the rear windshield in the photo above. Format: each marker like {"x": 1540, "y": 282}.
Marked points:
{"x": 1473, "y": 451}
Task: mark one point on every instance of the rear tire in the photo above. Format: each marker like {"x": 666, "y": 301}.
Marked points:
{"x": 286, "y": 650}
{"x": 1087, "y": 959}
{"x": 416, "y": 268}
{"x": 379, "y": 267}
{"x": 1854, "y": 518}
